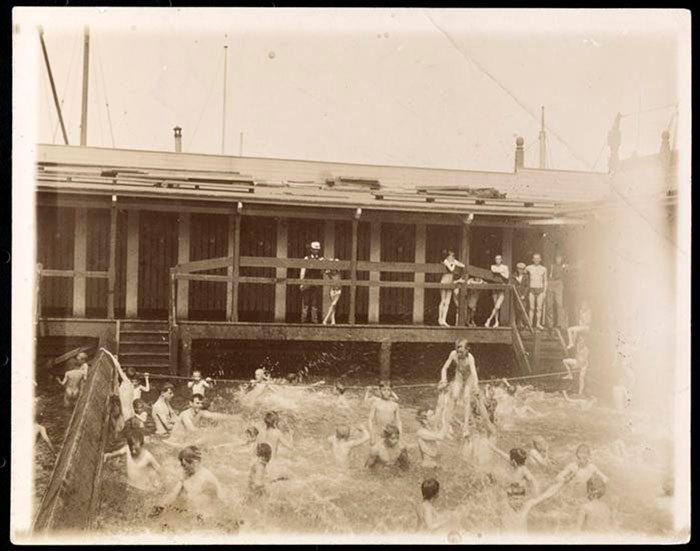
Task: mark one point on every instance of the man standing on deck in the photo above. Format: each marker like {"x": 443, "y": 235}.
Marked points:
{"x": 521, "y": 281}
{"x": 555, "y": 294}
{"x": 538, "y": 289}
{"x": 311, "y": 295}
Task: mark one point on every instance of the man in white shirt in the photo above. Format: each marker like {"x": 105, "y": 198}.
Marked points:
{"x": 538, "y": 289}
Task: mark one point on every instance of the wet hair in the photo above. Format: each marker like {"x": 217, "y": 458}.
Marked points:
{"x": 595, "y": 487}
{"x": 511, "y": 390}
{"x": 166, "y": 387}
{"x": 430, "y": 488}
{"x": 131, "y": 372}
{"x": 196, "y": 371}
{"x": 422, "y": 414}
{"x": 252, "y": 431}
{"x": 271, "y": 419}
{"x": 196, "y": 396}
{"x": 583, "y": 447}
{"x": 81, "y": 355}
{"x": 516, "y": 489}
{"x": 391, "y": 430}
{"x": 189, "y": 454}
{"x": 518, "y": 456}
{"x": 446, "y": 252}
{"x": 133, "y": 435}
{"x": 139, "y": 404}
{"x": 460, "y": 341}
{"x": 264, "y": 451}
{"x": 342, "y": 432}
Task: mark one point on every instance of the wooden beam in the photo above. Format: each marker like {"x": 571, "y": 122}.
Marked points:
{"x": 80, "y": 262}
{"x": 374, "y": 256}
{"x": 329, "y": 254}
{"x": 464, "y": 258}
{"x": 234, "y": 251}
{"x": 132, "y": 264}
{"x": 112, "y": 277}
{"x": 183, "y": 255}
{"x": 385, "y": 360}
{"x": 353, "y": 272}
{"x": 186, "y": 355}
{"x": 507, "y": 254}
{"x": 281, "y": 273}
{"x": 419, "y": 278}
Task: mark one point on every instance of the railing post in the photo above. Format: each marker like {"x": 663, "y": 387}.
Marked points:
{"x": 419, "y": 277}
{"x": 353, "y": 268}
{"x": 281, "y": 273}
{"x": 172, "y": 324}
{"x": 375, "y": 247}
{"x": 37, "y": 298}
{"x": 507, "y": 253}
{"x": 112, "y": 259}
{"x": 464, "y": 258}
{"x": 234, "y": 251}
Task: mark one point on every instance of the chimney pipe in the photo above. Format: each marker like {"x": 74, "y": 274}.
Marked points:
{"x": 519, "y": 153}
{"x": 178, "y": 139}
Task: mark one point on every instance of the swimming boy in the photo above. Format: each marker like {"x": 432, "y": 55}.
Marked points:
{"x": 428, "y": 437}
{"x": 72, "y": 383}
{"x": 514, "y": 518}
{"x": 272, "y": 435}
{"x": 139, "y": 461}
{"x": 163, "y": 414}
{"x": 140, "y": 415}
{"x": 582, "y": 469}
{"x": 185, "y": 427}
{"x": 465, "y": 381}
{"x": 82, "y": 357}
{"x": 595, "y": 516}
{"x": 388, "y": 452}
{"x": 199, "y": 385}
{"x": 383, "y": 412}
{"x": 341, "y": 444}
{"x": 540, "y": 452}
{"x": 198, "y": 485}
{"x": 428, "y": 518}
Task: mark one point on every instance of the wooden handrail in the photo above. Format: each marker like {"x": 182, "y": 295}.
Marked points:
{"x": 75, "y": 273}
{"x": 523, "y": 311}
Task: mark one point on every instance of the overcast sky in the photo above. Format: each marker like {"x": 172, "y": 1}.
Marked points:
{"x": 437, "y": 88}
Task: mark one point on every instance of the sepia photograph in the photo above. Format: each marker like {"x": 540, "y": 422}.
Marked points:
{"x": 369, "y": 275}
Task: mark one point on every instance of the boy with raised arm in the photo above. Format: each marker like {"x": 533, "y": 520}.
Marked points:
{"x": 514, "y": 518}
{"x": 139, "y": 461}
{"x": 383, "y": 412}
{"x": 582, "y": 469}
{"x": 595, "y": 516}
{"x": 388, "y": 452}
{"x": 341, "y": 444}
{"x": 186, "y": 425}
{"x": 465, "y": 381}
{"x": 272, "y": 435}
{"x": 429, "y": 437}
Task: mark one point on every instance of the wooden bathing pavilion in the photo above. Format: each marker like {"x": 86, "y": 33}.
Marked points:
{"x": 151, "y": 251}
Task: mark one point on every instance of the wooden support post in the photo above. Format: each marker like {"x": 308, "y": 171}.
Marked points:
{"x": 183, "y": 255}
{"x": 111, "y": 281}
{"x": 234, "y": 251}
{"x": 464, "y": 258}
{"x": 187, "y": 356}
{"x": 419, "y": 292}
{"x": 353, "y": 272}
{"x": 281, "y": 273}
{"x": 507, "y": 252}
{"x": 328, "y": 254}
{"x": 536, "y": 349}
{"x": 132, "y": 263}
{"x": 80, "y": 262}
{"x": 385, "y": 360}
{"x": 375, "y": 242}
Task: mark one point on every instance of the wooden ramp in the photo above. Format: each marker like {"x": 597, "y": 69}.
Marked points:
{"x": 72, "y": 496}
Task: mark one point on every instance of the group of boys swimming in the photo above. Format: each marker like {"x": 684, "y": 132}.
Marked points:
{"x": 483, "y": 410}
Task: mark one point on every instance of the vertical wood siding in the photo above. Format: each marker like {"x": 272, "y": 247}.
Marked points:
{"x": 256, "y": 301}
{"x": 208, "y": 239}
{"x": 55, "y": 241}
{"x": 398, "y": 244}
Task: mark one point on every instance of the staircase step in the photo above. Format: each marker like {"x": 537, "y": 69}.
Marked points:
{"x": 143, "y": 325}
{"x": 142, "y": 336}
{"x": 146, "y": 347}
{"x": 149, "y": 368}
{"x": 144, "y": 360}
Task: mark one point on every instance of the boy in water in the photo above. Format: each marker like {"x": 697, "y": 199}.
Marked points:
{"x": 185, "y": 427}
{"x": 256, "y": 477}
{"x": 72, "y": 383}
{"x": 198, "y": 485}
{"x": 383, "y": 412}
{"x": 514, "y": 518}
{"x": 540, "y": 452}
{"x": 519, "y": 473}
{"x": 342, "y": 445}
{"x": 40, "y": 431}
{"x": 582, "y": 469}
{"x": 138, "y": 387}
{"x": 139, "y": 461}
{"x": 388, "y": 452}
{"x": 428, "y": 437}
{"x": 140, "y": 415}
{"x": 428, "y": 518}
{"x": 197, "y": 384}
{"x": 272, "y": 435}
{"x": 82, "y": 362}
{"x": 465, "y": 382}
{"x": 163, "y": 414}
{"x": 595, "y": 516}
{"x": 580, "y": 362}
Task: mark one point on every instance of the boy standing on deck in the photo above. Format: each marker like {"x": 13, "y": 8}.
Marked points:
{"x": 538, "y": 290}
{"x": 384, "y": 411}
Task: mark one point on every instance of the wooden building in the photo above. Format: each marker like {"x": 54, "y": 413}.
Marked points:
{"x": 149, "y": 251}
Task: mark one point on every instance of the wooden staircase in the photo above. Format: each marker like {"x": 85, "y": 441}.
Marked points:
{"x": 144, "y": 345}
{"x": 545, "y": 351}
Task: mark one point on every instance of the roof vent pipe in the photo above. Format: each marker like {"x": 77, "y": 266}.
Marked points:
{"x": 519, "y": 153}
{"x": 178, "y": 139}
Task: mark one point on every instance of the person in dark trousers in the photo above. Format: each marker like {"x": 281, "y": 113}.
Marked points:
{"x": 311, "y": 295}
{"x": 555, "y": 294}
{"x": 521, "y": 281}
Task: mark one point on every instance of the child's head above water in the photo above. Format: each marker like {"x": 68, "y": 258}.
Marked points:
{"x": 595, "y": 487}
{"x": 251, "y": 433}
{"x": 342, "y": 432}
{"x": 190, "y": 457}
{"x": 430, "y": 488}
{"x": 81, "y": 357}
{"x": 540, "y": 444}
{"x": 196, "y": 375}
{"x": 134, "y": 439}
{"x": 391, "y": 435}
{"x": 462, "y": 346}
{"x": 423, "y": 415}
{"x": 583, "y": 454}
{"x": 518, "y": 456}
{"x": 264, "y": 452}
{"x": 139, "y": 406}
{"x": 197, "y": 401}
{"x": 385, "y": 390}
{"x": 271, "y": 419}
{"x": 511, "y": 390}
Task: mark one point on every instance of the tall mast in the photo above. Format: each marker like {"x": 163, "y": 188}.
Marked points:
{"x": 53, "y": 86}
{"x": 543, "y": 143}
{"x": 223, "y": 122}
{"x": 86, "y": 67}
